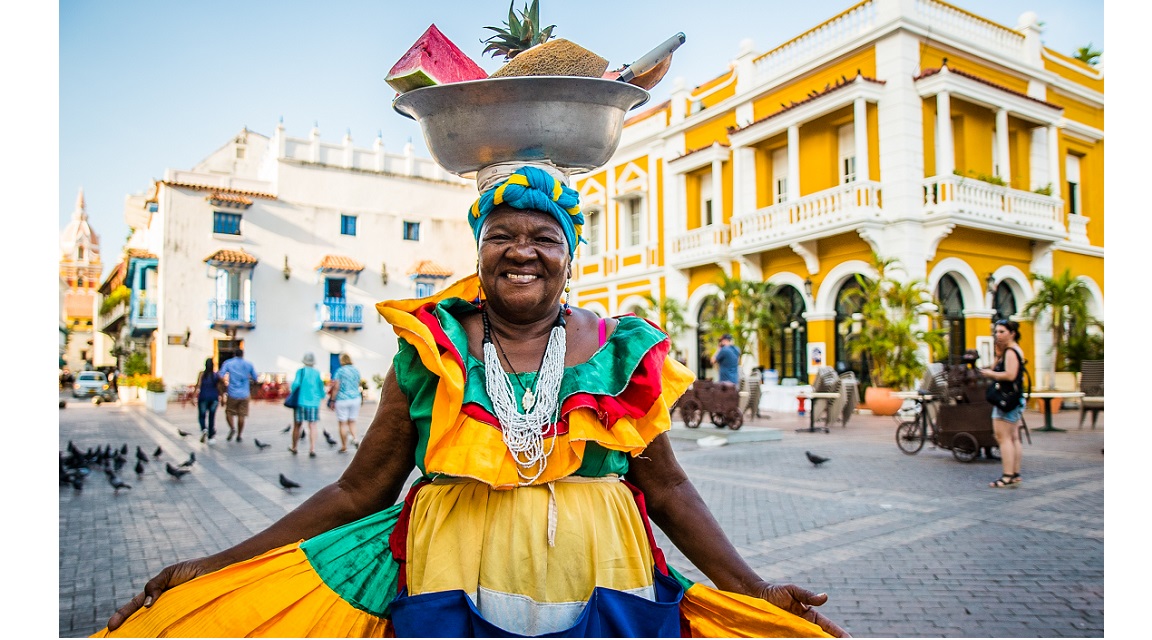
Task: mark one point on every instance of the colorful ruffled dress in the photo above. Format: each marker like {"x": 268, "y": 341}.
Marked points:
{"x": 469, "y": 552}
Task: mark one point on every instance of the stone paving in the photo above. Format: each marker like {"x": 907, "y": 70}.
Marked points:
{"x": 906, "y": 546}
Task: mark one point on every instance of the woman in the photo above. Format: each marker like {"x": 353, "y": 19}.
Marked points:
{"x": 1006, "y": 423}
{"x": 308, "y": 406}
{"x": 207, "y": 393}
{"x": 345, "y": 390}
{"x": 539, "y": 432}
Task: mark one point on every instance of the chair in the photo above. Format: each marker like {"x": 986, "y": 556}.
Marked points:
{"x": 1092, "y": 386}
{"x": 826, "y": 382}
{"x": 750, "y": 396}
{"x": 845, "y": 406}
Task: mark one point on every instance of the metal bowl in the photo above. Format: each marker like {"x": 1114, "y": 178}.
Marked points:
{"x": 575, "y": 123}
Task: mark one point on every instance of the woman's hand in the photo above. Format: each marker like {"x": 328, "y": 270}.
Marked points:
{"x": 800, "y": 602}
{"x": 169, "y": 577}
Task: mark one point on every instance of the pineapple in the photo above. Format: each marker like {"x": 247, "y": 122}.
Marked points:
{"x": 520, "y": 34}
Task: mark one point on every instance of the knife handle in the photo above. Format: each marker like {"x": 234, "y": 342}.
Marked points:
{"x": 652, "y": 58}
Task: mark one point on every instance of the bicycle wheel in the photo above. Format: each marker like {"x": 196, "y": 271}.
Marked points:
{"x": 910, "y": 437}
{"x": 965, "y": 447}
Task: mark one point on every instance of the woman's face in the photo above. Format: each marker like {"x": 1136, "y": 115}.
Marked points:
{"x": 1001, "y": 334}
{"x": 523, "y": 263}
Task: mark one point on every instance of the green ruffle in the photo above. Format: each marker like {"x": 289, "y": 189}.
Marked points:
{"x": 355, "y": 561}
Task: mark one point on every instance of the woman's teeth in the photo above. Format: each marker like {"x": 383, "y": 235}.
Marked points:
{"x": 515, "y": 277}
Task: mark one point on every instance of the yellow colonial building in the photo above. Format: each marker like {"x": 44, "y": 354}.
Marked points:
{"x": 963, "y": 148}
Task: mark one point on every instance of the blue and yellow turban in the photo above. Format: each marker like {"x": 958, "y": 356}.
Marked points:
{"x": 534, "y": 189}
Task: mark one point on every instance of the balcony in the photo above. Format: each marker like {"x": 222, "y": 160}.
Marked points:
{"x": 231, "y": 314}
{"x": 698, "y": 247}
{"x": 143, "y": 319}
{"x": 974, "y": 203}
{"x": 822, "y": 214}
{"x": 336, "y": 313}
{"x": 111, "y": 321}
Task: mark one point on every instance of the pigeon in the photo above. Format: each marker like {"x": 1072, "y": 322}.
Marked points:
{"x": 117, "y": 483}
{"x": 183, "y": 433}
{"x": 157, "y": 453}
{"x": 329, "y": 438}
{"x": 140, "y": 455}
{"x": 288, "y": 484}
{"x": 286, "y": 429}
{"x": 63, "y": 403}
{"x": 815, "y": 459}
{"x": 175, "y": 472}
{"x": 139, "y": 467}
{"x": 190, "y": 461}
{"x": 124, "y": 449}
{"x": 260, "y": 445}
{"x": 78, "y": 483}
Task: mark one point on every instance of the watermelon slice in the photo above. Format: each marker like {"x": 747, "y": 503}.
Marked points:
{"x": 432, "y": 60}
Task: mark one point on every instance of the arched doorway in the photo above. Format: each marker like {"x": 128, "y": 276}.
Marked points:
{"x": 789, "y": 353}
{"x": 705, "y": 345}
{"x": 849, "y": 300}
{"x": 1003, "y": 302}
{"x": 951, "y": 304}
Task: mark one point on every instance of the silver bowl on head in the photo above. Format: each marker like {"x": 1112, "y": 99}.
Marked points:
{"x": 575, "y": 123}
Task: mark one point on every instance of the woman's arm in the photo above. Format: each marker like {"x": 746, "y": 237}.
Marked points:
{"x": 372, "y": 481}
{"x": 1011, "y": 368}
{"x": 677, "y": 508}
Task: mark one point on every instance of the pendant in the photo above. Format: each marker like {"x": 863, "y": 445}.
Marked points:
{"x": 528, "y": 400}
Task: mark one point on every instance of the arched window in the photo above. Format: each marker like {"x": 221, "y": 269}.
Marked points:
{"x": 789, "y": 353}
{"x": 705, "y": 346}
{"x": 952, "y": 314}
{"x": 848, "y": 302}
{"x": 1004, "y": 302}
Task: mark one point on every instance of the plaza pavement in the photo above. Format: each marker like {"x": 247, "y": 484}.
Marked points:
{"x": 906, "y": 546}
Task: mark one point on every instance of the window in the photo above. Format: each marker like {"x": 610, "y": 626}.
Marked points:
{"x": 239, "y": 153}
{"x": 593, "y": 229}
{"x": 847, "y": 153}
{"x": 334, "y": 288}
{"x": 424, "y": 289}
{"x": 706, "y": 218}
{"x": 347, "y": 225}
{"x": 411, "y": 230}
{"x": 632, "y": 221}
{"x": 228, "y": 223}
{"x": 1072, "y": 173}
{"x": 780, "y": 175}
{"x": 153, "y": 207}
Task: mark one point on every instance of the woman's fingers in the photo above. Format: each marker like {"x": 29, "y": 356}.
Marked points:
{"x": 124, "y": 612}
{"x": 801, "y": 602}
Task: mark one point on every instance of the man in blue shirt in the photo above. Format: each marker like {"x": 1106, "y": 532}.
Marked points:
{"x": 238, "y": 372}
{"x": 727, "y": 358}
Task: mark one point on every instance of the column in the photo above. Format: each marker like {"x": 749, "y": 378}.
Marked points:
{"x": 794, "y": 163}
{"x": 744, "y": 180}
{"x": 1002, "y": 150}
{"x": 945, "y": 150}
{"x": 1054, "y": 161}
{"x": 860, "y": 127}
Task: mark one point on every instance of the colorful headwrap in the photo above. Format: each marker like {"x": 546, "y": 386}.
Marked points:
{"x": 534, "y": 189}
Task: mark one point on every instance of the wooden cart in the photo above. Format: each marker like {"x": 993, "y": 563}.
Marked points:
{"x": 721, "y": 400}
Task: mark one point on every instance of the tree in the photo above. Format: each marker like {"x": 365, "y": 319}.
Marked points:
{"x": 1063, "y": 299}
{"x": 669, "y": 313}
{"x": 1088, "y": 55}
{"x": 891, "y": 333}
{"x": 756, "y": 310}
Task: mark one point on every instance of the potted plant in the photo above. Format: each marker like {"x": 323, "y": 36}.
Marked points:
{"x": 891, "y": 333}
{"x": 157, "y": 395}
{"x": 1061, "y": 305}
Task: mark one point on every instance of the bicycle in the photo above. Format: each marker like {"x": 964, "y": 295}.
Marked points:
{"x": 911, "y": 434}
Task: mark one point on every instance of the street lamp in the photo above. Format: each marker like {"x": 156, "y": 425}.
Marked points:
{"x": 808, "y": 287}
{"x": 287, "y": 269}
{"x": 990, "y": 281}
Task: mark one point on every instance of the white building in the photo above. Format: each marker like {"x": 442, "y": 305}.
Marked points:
{"x": 284, "y": 245}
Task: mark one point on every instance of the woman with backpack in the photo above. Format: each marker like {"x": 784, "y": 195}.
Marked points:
{"x": 1007, "y": 397}
{"x": 207, "y": 394}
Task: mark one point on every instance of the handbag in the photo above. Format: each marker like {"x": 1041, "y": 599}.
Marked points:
{"x": 293, "y": 399}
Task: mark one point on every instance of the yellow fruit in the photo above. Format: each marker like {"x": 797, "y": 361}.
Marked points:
{"x": 558, "y": 57}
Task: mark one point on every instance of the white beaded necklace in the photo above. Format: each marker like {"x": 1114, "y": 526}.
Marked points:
{"x": 524, "y": 430}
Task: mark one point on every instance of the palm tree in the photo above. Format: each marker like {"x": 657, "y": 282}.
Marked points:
{"x": 1064, "y": 299}
{"x": 756, "y": 311}
{"x": 669, "y": 314}
{"x": 1088, "y": 55}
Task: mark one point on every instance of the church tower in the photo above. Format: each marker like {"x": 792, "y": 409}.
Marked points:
{"x": 80, "y": 272}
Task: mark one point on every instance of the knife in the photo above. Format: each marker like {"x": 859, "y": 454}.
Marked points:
{"x": 652, "y": 58}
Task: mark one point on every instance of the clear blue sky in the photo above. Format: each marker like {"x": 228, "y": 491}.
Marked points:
{"x": 146, "y": 86}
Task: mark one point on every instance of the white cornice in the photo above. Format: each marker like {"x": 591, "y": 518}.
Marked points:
{"x": 1081, "y": 249}
{"x": 987, "y": 96}
{"x": 807, "y": 112}
{"x": 699, "y": 159}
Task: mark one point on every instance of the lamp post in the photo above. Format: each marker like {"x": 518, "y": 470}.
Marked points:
{"x": 808, "y": 286}
{"x": 287, "y": 269}
{"x": 991, "y": 282}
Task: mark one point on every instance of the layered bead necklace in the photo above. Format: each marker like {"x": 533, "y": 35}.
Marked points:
{"x": 524, "y": 429}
